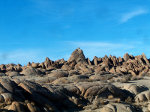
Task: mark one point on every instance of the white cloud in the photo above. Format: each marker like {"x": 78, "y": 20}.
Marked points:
{"x": 127, "y": 16}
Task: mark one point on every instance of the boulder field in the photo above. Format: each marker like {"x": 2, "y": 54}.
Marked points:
{"x": 107, "y": 84}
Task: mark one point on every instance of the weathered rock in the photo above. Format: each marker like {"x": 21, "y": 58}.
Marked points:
{"x": 59, "y": 73}
{"x": 10, "y": 68}
{"x": 104, "y": 91}
{"x": 1, "y": 99}
{"x": 8, "y": 84}
{"x": 7, "y": 97}
{"x": 95, "y": 77}
{"x": 99, "y": 69}
{"x": 2, "y": 67}
{"x": 2, "y": 74}
{"x": 62, "y": 80}
{"x": 66, "y": 67}
{"x": 134, "y": 88}
{"x": 45, "y": 79}
{"x": 145, "y": 59}
{"x": 89, "y": 62}
{"x": 17, "y": 107}
{"x": 95, "y": 61}
{"x": 126, "y": 57}
{"x": 29, "y": 71}
{"x": 35, "y": 65}
{"x": 12, "y": 73}
{"x": 73, "y": 72}
{"x": 143, "y": 96}
{"x": 42, "y": 65}
{"x": 77, "y": 56}
{"x": 118, "y": 107}
{"x": 78, "y": 78}
{"x": 32, "y": 108}
{"x": 18, "y": 68}
{"x": 76, "y": 84}
{"x": 84, "y": 69}
{"x": 121, "y": 70}
{"x": 48, "y": 62}
{"x": 148, "y": 107}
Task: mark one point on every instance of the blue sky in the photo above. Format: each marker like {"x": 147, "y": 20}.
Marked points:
{"x": 31, "y": 30}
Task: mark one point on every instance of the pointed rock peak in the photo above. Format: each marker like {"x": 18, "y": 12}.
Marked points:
{"x": 110, "y": 56}
{"x": 48, "y": 62}
{"x": 145, "y": 59}
{"x": 105, "y": 56}
{"x": 95, "y": 57}
{"x": 126, "y": 57}
{"x": 143, "y": 55}
{"x": 77, "y": 56}
{"x": 78, "y": 48}
{"x": 47, "y": 59}
{"x": 29, "y": 64}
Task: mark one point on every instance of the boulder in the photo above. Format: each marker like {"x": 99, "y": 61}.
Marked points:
{"x": 62, "y": 80}
{"x": 78, "y": 78}
{"x": 2, "y": 74}
{"x": 143, "y": 96}
{"x": 35, "y": 65}
{"x": 7, "y": 84}
{"x": 12, "y": 73}
{"x": 66, "y": 67}
{"x": 8, "y": 97}
{"x": 95, "y": 77}
{"x": 59, "y": 73}
{"x": 118, "y": 107}
{"x": 17, "y": 107}
{"x": 29, "y": 71}
{"x": 2, "y": 67}
{"x": 73, "y": 72}
{"x": 32, "y": 108}
{"x": 84, "y": 69}
{"x": 133, "y": 88}
{"x": 18, "y": 68}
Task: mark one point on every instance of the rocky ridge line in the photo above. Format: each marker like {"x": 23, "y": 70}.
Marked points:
{"x": 75, "y": 85}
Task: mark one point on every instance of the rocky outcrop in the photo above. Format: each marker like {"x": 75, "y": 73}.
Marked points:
{"x": 76, "y": 85}
{"x": 118, "y": 107}
{"x": 77, "y": 56}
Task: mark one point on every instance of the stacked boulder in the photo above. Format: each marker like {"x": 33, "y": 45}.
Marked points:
{"x": 73, "y": 85}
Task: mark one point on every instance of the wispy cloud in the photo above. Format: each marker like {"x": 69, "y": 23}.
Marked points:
{"x": 23, "y": 56}
{"x": 92, "y": 49}
{"x": 129, "y": 15}
{"x": 20, "y": 56}
{"x": 99, "y": 44}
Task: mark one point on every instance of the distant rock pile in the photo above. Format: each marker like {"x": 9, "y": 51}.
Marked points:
{"x": 78, "y": 84}
{"x": 134, "y": 65}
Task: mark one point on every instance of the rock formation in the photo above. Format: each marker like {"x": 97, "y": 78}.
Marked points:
{"x": 78, "y": 84}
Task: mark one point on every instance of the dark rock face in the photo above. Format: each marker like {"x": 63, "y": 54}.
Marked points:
{"x": 74, "y": 85}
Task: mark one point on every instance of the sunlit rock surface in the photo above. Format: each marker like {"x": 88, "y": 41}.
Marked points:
{"x": 104, "y": 84}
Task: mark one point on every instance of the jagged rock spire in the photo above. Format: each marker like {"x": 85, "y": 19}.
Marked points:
{"x": 126, "y": 57}
{"x": 48, "y": 62}
{"x": 77, "y": 56}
